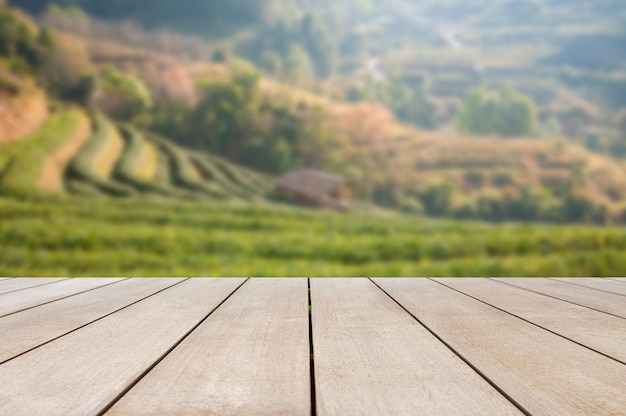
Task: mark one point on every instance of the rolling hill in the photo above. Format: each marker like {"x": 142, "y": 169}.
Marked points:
{"x": 73, "y": 151}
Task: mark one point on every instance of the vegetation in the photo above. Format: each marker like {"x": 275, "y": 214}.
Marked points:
{"x": 26, "y": 49}
{"x": 138, "y": 163}
{"x": 94, "y": 237}
{"x": 338, "y": 80}
{"x": 21, "y": 162}
{"x": 96, "y": 160}
{"x": 506, "y": 113}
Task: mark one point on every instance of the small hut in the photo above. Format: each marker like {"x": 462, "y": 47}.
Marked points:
{"x": 316, "y": 189}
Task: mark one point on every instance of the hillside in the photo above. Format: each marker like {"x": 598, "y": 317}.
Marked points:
{"x": 113, "y": 102}
{"x": 92, "y": 156}
{"x": 22, "y": 108}
{"x": 545, "y": 48}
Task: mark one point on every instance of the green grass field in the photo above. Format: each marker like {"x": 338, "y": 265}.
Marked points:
{"x": 72, "y": 236}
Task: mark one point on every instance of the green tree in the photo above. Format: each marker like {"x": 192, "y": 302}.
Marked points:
{"x": 505, "y": 113}
{"x": 224, "y": 118}
{"x": 121, "y": 96}
{"x": 24, "y": 47}
{"x": 437, "y": 199}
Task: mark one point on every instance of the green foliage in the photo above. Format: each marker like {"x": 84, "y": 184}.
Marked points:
{"x": 21, "y": 161}
{"x": 475, "y": 179}
{"x": 122, "y": 96}
{"x": 97, "y": 237}
{"x": 27, "y": 50}
{"x": 437, "y": 199}
{"x": 222, "y": 120}
{"x": 506, "y": 113}
{"x": 302, "y": 48}
{"x": 409, "y": 103}
{"x": 185, "y": 174}
{"x": 127, "y": 166}
{"x": 83, "y": 167}
{"x": 236, "y": 120}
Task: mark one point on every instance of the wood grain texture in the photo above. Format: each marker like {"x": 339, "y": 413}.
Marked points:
{"x": 28, "y": 298}
{"x": 598, "y": 284}
{"x": 250, "y": 357}
{"x": 544, "y": 373}
{"x": 597, "y": 330}
{"x": 82, "y": 372}
{"x": 12, "y": 285}
{"x": 373, "y": 358}
{"x": 605, "y": 302}
{"x": 28, "y": 329}
{"x": 618, "y": 279}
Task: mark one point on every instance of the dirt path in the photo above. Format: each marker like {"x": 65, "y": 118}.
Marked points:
{"x": 54, "y": 167}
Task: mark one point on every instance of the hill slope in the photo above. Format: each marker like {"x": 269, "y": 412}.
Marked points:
{"x": 73, "y": 152}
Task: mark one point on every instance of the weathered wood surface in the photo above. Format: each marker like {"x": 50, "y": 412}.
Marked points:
{"x": 380, "y": 346}
{"x": 250, "y": 357}
{"x": 543, "y": 372}
{"x": 597, "y": 330}
{"x": 84, "y": 371}
{"x": 13, "y": 285}
{"x": 605, "y": 302}
{"x": 29, "y": 329}
{"x": 371, "y": 357}
{"x": 39, "y": 295}
{"x": 605, "y": 285}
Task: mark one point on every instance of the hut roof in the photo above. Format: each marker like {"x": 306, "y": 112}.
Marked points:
{"x": 310, "y": 183}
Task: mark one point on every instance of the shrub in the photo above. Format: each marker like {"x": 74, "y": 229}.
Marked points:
{"x": 475, "y": 179}
{"x": 437, "y": 199}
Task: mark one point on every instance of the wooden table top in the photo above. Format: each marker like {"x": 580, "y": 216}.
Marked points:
{"x": 303, "y": 346}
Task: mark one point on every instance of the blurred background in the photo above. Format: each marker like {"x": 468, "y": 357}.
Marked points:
{"x": 313, "y": 138}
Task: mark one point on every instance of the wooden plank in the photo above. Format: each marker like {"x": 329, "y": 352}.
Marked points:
{"x": 373, "y": 358}
{"x": 13, "y": 285}
{"x": 26, "y": 330}
{"x": 82, "y": 372}
{"x": 617, "y": 279}
{"x": 596, "y": 330}
{"x": 605, "y": 302}
{"x": 250, "y": 357}
{"x": 34, "y": 296}
{"x": 598, "y": 284}
{"x": 5, "y": 278}
{"x": 544, "y": 373}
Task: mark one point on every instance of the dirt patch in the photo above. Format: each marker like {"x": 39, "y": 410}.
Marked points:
{"x": 54, "y": 167}
{"x": 21, "y": 115}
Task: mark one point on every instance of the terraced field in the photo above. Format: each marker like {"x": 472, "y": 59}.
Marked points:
{"x": 157, "y": 209}
{"x": 90, "y": 155}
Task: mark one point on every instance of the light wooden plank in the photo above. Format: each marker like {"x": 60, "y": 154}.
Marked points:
{"x": 598, "y": 284}
{"x": 82, "y": 372}
{"x": 618, "y": 279}
{"x": 250, "y": 357}
{"x": 31, "y": 297}
{"x": 28, "y": 329}
{"x": 602, "y": 301}
{"x": 544, "y": 373}
{"x": 12, "y": 285}
{"x": 597, "y": 330}
{"x": 373, "y": 358}
{"x": 5, "y": 278}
